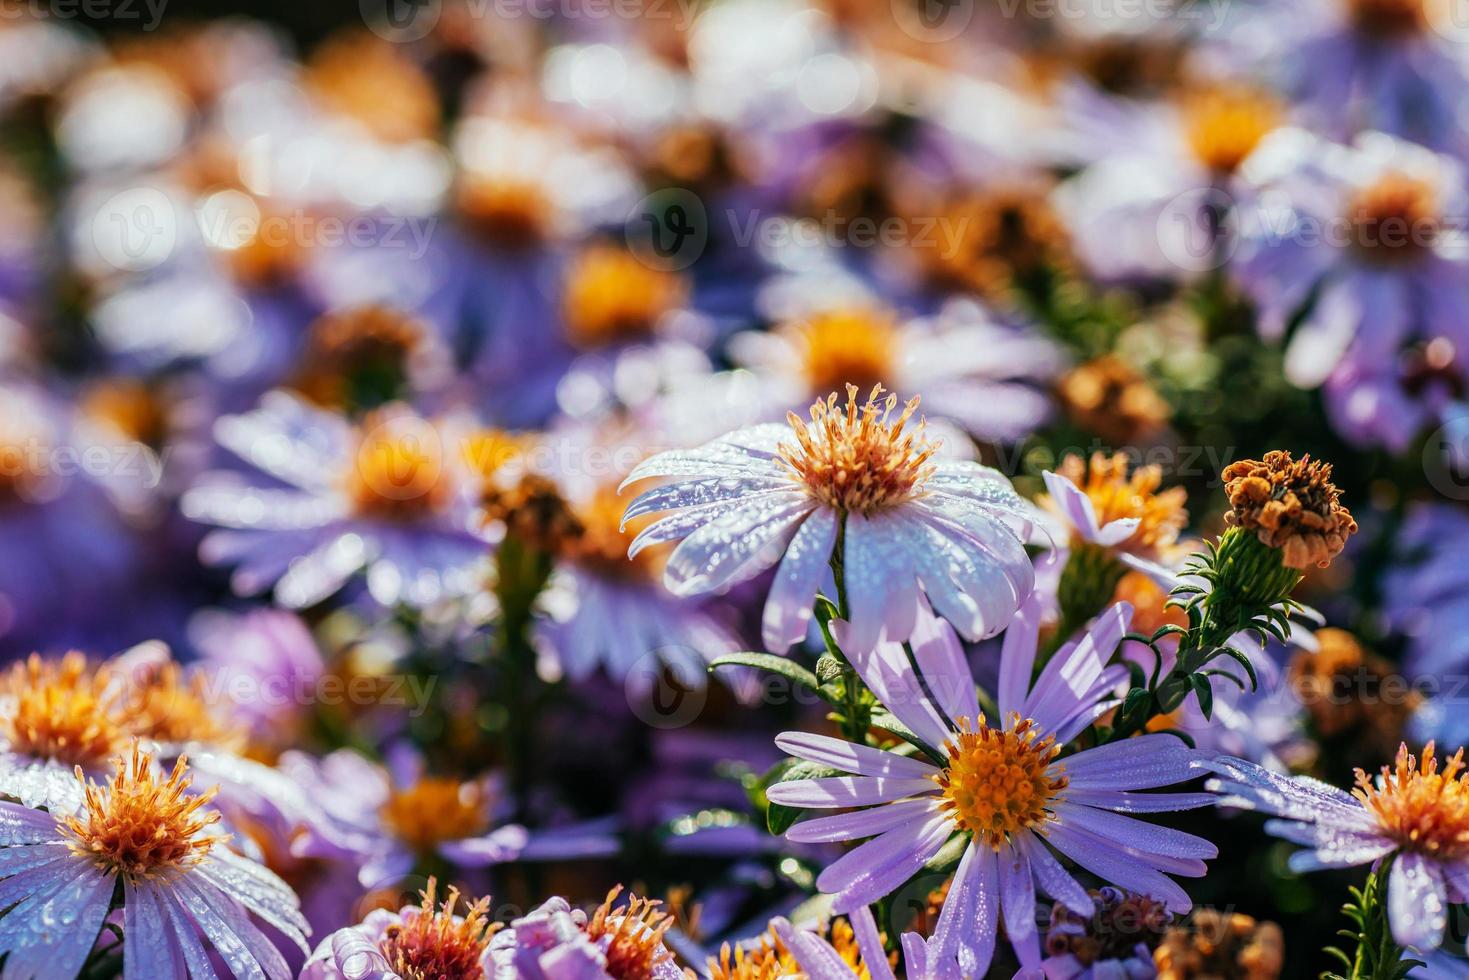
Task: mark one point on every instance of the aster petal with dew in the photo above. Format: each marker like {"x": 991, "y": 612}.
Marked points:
{"x": 430, "y": 939}
{"x": 907, "y": 522}
{"x": 395, "y": 498}
{"x": 1414, "y": 813}
{"x": 615, "y": 942}
{"x": 1075, "y": 803}
{"x": 145, "y": 837}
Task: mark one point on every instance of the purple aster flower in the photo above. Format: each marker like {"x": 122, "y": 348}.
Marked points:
{"x": 424, "y": 940}
{"x": 557, "y": 941}
{"x": 395, "y": 497}
{"x": 905, "y": 521}
{"x": 384, "y": 822}
{"x": 182, "y": 890}
{"x": 1352, "y": 64}
{"x": 967, "y": 367}
{"x": 1368, "y": 231}
{"x": 268, "y": 663}
{"x": 1075, "y": 804}
{"x": 1413, "y": 813}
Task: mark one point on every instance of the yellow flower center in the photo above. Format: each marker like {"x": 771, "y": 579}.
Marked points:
{"x": 398, "y": 473}
{"x": 633, "y": 936}
{"x": 130, "y": 407}
{"x": 1004, "y": 234}
{"x": 1395, "y": 219}
{"x": 611, "y": 297}
{"x": 172, "y": 707}
{"x": 1388, "y": 18}
{"x": 1224, "y": 126}
{"x": 62, "y": 711}
{"x": 370, "y": 81}
{"x": 854, "y": 346}
{"x": 363, "y": 346}
{"x": 434, "y": 810}
{"x": 1424, "y": 810}
{"x": 140, "y": 827}
{"x": 771, "y": 960}
{"x": 509, "y": 212}
{"x": 1115, "y": 496}
{"x": 999, "y": 782}
{"x": 601, "y": 542}
{"x": 437, "y": 945}
{"x": 859, "y": 460}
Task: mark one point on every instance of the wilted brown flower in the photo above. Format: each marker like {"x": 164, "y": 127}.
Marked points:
{"x": 1217, "y": 946}
{"x": 1291, "y": 505}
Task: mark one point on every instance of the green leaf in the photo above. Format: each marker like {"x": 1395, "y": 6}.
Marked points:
{"x": 778, "y": 817}
{"x": 1205, "y": 692}
{"x": 783, "y": 666}
{"x": 890, "y": 724}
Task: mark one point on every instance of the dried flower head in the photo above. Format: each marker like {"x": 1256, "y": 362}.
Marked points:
{"x": 1219, "y": 944}
{"x": 1291, "y": 505}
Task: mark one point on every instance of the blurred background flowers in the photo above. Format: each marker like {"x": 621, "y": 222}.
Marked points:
{"x": 328, "y": 337}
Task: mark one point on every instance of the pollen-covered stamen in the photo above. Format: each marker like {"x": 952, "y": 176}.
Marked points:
{"x": 631, "y": 937}
{"x": 434, "y": 810}
{"x": 1116, "y": 495}
{"x": 1223, "y": 126}
{"x": 62, "y": 711}
{"x": 173, "y": 707}
{"x": 770, "y": 959}
{"x": 139, "y": 826}
{"x": 860, "y": 460}
{"x": 1426, "y": 811}
{"x": 611, "y": 297}
{"x": 1000, "y": 781}
{"x": 436, "y": 944}
{"x": 398, "y": 471}
{"x": 857, "y": 346}
{"x": 1395, "y": 219}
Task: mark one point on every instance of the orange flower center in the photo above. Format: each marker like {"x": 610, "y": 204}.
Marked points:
{"x": 399, "y": 473}
{"x": 633, "y": 936}
{"x": 61, "y": 711}
{"x": 130, "y": 407}
{"x": 1115, "y": 496}
{"x": 172, "y": 707}
{"x": 611, "y": 297}
{"x": 999, "y": 783}
{"x": 434, "y": 810}
{"x": 371, "y": 82}
{"x": 859, "y": 460}
{"x": 601, "y": 542}
{"x": 847, "y": 346}
{"x": 510, "y": 212}
{"x": 436, "y": 944}
{"x": 771, "y": 960}
{"x": 1224, "y": 126}
{"x": 140, "y": 827}
{"x": 1395, "y": 219}
{"x": 1426, "y": 811}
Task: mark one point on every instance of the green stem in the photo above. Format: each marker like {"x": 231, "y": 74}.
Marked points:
{"x": 854, "y": 717}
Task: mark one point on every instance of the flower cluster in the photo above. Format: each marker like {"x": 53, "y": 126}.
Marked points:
{"x": 751, "y": 489}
